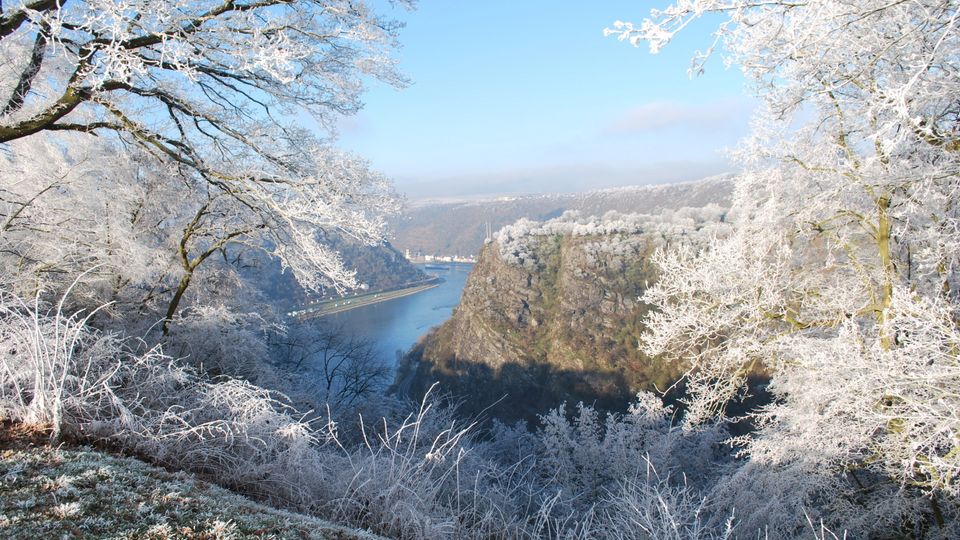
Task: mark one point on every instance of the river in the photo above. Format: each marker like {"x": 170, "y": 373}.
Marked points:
{"x": 397, "y": 324}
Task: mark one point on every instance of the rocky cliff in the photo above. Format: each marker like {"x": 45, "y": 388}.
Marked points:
{"x": 551, "y": 312}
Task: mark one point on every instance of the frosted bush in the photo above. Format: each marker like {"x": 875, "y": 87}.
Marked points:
{"x": 586, "y": 458}
{"x": 518, "y": 242}
{"x": 219, "y": 340}
{"x": 655, "y": 507}
{"x": 426, "y": 474}
{"x": 52, "y": 369}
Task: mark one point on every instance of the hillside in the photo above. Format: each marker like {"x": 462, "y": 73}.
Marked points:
{"x": 551, "y": 311}
{"x": 460, "y": 228}
{"x": 58, "y": 492}
{"x": 378, "y": 267}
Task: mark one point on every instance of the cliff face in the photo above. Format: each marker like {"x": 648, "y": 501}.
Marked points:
{"x": 551, "y": 312}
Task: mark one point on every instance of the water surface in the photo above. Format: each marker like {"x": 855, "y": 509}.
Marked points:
{"x": 397, "y": 324}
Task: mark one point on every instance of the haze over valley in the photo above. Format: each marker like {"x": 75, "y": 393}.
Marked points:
{"x": 461, "y": 227}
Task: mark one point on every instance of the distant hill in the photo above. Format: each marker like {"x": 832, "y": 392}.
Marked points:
{"x": 459, "y": 228}
{"x": 378, "y": 267}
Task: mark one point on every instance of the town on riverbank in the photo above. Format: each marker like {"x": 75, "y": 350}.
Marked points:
{"x": 420, "y": 258}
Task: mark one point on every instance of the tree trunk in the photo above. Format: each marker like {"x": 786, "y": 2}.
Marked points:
{"x": 175, "y": 301}
{"x": 29, "y": 74}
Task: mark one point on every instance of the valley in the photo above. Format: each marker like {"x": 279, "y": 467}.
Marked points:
{"x": 460, "y": 228}
{"x": 551, "y": 313}
{"x": 231, "y": 250}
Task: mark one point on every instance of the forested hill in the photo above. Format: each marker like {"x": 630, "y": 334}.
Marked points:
{"x": 378, "y": 267}
{"x": 459, "y": 228}
{"x": 552, "y": 312}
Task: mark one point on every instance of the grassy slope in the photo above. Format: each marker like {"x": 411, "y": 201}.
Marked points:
{"x": 59, "y": 492}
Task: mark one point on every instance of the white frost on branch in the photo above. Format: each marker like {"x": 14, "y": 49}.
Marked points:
{"x": 617, "y": 233}
{"x": 841, "y": 278}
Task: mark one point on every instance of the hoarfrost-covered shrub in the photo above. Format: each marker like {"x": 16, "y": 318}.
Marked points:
{"x": 662, "y": 508}
{"x": 587, "y": 457}
{"x": 56, "y": 370}
{"x": 53, "y": 370}
{"x": 220, "y": 341}
{"x": 421, "y": 479}
{"x": 518, "y": 242}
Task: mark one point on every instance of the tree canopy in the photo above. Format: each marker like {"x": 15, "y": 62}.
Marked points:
{"x": 842, "y": 278}
{"x": 230, "y": 105}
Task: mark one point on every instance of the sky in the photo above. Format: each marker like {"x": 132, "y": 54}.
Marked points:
{"x": 528, "y": 96}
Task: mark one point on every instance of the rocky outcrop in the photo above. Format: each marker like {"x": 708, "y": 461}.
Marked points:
{"x": 552, "y": 312}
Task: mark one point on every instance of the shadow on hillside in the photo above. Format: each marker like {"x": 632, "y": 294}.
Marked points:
{"x": 523, "y": 391}
{"x": 512, "y": 392}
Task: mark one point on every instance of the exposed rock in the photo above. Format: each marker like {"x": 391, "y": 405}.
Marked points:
{"x": 551, "y": 312}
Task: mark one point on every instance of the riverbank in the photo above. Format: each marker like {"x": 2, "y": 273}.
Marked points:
{"x": 339, "y": 305}
{"x": 396, "y": 325}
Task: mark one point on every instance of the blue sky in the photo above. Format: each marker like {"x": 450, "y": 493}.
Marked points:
{"x": 528, "y": 96}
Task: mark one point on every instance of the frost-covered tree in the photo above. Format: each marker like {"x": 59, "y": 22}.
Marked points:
{"x": 217, "y": 90}
{"x": 843, "y": 276}
{"x": 188, "y": 78}
{"x": 140, "y": 230}
{"x": 342, "y": 370}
